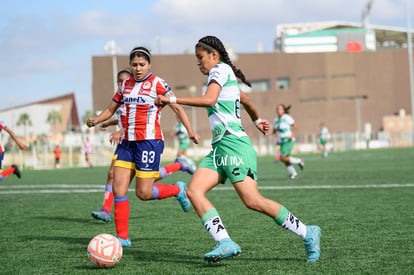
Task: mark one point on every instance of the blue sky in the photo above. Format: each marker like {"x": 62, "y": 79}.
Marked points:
{"x": 46, "y": 47}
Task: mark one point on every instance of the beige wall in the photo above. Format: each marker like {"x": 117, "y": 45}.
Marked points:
{"x": 379, "y": 79}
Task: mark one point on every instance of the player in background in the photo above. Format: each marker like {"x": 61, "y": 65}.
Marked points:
{"x": 284, "y": 127}
{"x": 184, "y": 143}
{"x": 323, "y": 140}
{"x": 13, "y": 169}
{"x": 88, "y": 147}
{"x": 144, "y": 141}
{"x": 104, "y": 213}
{"x": 222, "y": 98}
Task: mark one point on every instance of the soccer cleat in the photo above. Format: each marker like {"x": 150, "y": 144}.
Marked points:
{"x": 186, "y": 165}
{"x": 293, "y": 177}
{"x": 125, "y": 243}
{"x": 224, "y": 249}
{"x": 102, "y": 215}
{"x": 301, "y": 164}
{"x": 312, "y": 243}
{"x": 182, "y": 196}
{"x": 16, "y": 171}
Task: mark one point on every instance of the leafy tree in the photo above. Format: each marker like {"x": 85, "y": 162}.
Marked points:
{"x": 53, "y": 117}
{"x": 24, "y": 119}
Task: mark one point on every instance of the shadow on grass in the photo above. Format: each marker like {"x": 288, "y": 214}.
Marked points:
{"x": 70, "y": 219}
{"x": 65, "y": 239}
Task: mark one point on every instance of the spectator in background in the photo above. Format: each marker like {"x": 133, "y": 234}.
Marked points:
{"x": 13, "y": 169}
{"x": 88, "y": 147}
{"x": 57, "y": 157}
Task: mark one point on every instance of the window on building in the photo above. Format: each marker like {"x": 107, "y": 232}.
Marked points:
{"x": 342, "y": 76}
{"x": 312, "y": 100}
{"x": 312, "y": 78}
{"x": 283, "y": 83}
{"x": 181, "y": 88}
{"x": 257, "y": 86}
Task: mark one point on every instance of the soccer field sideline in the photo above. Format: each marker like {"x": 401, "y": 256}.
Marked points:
{"x": 67, "y": 188}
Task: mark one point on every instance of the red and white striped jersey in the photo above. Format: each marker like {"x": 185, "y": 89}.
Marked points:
{"x": 122, "y": 120}
{"x": 2, "y": 126}
{"x": 142, "y": 116}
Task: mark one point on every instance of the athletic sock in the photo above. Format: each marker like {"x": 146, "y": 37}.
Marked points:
{"x": 121, "y": 212}
{"x": 295, "y": 160}
{"x": 213, "y": 224}
{"x": 162, "y": 191}
{"x": 292, "y": 170}
{"x": 288, "y": 221}
{"x": 108, "y": 199}
{"x": 7, "y": 172}
{"x": 169, "y": 169}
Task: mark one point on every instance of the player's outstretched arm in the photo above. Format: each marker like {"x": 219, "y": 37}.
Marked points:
{"x": 105, "y": 115}
{"x": 261, "y": 124}
{"x": 14, "y": 137}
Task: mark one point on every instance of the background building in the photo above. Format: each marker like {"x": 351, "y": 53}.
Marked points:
{"x": 49, "y": 117}
{"x": 346, "y": 88}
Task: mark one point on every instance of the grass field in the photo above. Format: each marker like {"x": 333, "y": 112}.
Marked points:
{"x": 362, "y": 200}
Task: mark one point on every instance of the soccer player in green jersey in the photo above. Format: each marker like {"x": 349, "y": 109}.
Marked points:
{"x": 285, "y": 128}
{"x": 183, "y": 139}
{"x": 233, "y": 156}
{"x": 323, "y": 139}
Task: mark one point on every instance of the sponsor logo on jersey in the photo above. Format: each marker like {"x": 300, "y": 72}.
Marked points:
{"x": 134, "y": 100}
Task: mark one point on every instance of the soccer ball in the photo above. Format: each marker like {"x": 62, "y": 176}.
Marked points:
{"x": 104, "y": 251}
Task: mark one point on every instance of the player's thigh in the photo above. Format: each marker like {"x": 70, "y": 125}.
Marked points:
{"x": 122, "y": 177}
{"x": 203, "y": 180}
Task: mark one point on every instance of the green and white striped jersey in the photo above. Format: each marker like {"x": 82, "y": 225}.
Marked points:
{"x": 224, "y": 116}
{"x": 181, "y": 132}
{"x": 283, "y": 126}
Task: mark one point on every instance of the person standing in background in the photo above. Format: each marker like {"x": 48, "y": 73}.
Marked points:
{"x": 57, "y": 157}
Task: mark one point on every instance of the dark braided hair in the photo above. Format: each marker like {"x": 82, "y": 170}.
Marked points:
{"x": 212, "y": 43}
{"x": 285, "y": 108}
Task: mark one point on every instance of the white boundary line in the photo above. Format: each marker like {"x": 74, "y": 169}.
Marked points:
{"x": 67, "y": 188}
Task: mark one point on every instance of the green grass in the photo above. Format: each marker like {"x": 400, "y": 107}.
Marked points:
{"x": 366, "y": 230}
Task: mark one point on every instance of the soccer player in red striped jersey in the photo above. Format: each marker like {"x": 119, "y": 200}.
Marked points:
{"x": 13, "y": 169}
{"x": 143, "y": 140}
{"x": 104, "y": 213}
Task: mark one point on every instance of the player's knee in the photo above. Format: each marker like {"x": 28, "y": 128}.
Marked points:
{"x": 252, "y": 205}
{"x": 193, "y": 193}
{"x": 144, "y": 196}
{"x": 110, "y": 175}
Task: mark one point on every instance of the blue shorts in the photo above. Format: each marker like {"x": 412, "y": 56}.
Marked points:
{"x": 1, "y": 159}
{"x": 143, "y": 156}
{"x": 120, "y": 145}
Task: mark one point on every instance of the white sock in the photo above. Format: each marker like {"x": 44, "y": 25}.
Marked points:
{"x": 216, "y": 228}
{"x": 294, "y": 225}
{"x": 291, "y": 170}
{"x": 294, "y": 160}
